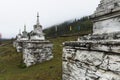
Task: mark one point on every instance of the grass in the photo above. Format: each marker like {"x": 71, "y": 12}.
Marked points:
{"x": 49, "y": 70}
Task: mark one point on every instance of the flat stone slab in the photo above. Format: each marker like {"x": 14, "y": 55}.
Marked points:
{"x": 111, "y": 46}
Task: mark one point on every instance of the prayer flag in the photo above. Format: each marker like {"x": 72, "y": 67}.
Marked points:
{"x": 70, "y": 28}
{"x": 56, "y": 28}
{"x": 79, "y": 28}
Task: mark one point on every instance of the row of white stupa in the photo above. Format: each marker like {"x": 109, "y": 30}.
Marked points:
{"x": 36, "y": 34}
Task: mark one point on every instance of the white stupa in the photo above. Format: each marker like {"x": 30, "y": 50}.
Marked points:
{"x": 37, "y": 33}
{"x": 19, "y": 36}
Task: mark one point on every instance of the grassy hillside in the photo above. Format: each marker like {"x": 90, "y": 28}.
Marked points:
{"x": 11, "y": 69}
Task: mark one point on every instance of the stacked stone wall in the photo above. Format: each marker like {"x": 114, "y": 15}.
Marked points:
{"x": 84, "y": 64}
{"x": 34, "y": 52}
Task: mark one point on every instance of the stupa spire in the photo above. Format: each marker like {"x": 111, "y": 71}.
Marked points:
{"x": 38, "y": 18}
{"x": 19, "y": 31}
{"x": 24, "y": 27}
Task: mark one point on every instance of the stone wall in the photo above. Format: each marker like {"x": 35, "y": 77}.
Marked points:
{"x": 80, "y": 62}
{"x": 34, "y": 51}
{"x": 96, "y": 56}
{"x": 18, "y": 45}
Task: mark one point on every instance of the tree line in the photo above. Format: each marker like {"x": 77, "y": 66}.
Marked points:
{"x": 76, "y": 27}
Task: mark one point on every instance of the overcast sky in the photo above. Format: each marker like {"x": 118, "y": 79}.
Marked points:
{"x": 15, "y": 13}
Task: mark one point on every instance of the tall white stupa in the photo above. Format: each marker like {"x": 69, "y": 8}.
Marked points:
{"x": 37, "y": 33}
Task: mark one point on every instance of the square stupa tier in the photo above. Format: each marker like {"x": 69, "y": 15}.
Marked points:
{"x": 106, "y": 18}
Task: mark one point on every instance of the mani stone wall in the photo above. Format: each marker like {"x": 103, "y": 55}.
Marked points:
{"x": 35, "y": 51}
{"x": 96, "y": 56}
{"x": 91, "y": 60}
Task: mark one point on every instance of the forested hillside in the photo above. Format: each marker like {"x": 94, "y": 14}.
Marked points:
{"x": 76, "y": 27}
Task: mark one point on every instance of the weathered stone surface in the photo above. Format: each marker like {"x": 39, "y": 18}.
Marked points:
{"x": 17, "y": 45}
{"x": 106, "y": 17}
{"x": 36, "y": 53}
{"x": 107, "y": 26}
{"x": 106, "y": 7}
{"x": 89, "y": 57}
{"x": 96, "y": 56}
{"x": 89, "y": 65}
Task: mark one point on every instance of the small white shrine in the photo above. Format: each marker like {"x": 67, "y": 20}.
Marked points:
{"x": 33, "y": 45}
